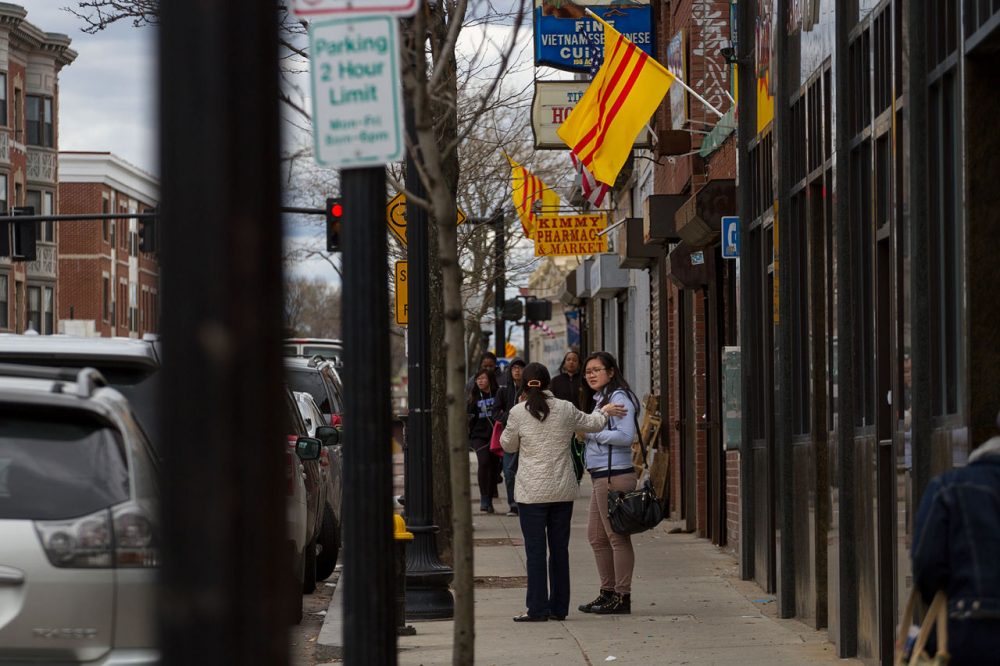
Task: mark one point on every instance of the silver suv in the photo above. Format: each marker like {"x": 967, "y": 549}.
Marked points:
{"x": 79, "y": 546}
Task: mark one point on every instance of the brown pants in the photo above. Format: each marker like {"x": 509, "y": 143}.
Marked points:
{"x": 613, "y": 552}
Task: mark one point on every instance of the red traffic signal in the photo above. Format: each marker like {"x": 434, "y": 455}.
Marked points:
{"x": 334, "y": 213}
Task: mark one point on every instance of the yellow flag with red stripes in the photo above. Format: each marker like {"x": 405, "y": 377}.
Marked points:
{"x": 616, "y": 106}
{"x": 531, "y": 197}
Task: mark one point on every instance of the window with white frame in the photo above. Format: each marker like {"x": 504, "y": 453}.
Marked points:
{"x": 3, "y": 98}
{"x": 39, "y": 125}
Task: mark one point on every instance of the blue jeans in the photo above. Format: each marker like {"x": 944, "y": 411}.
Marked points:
{"x": 509, "y": 472}
{"x": 541, "y": 523}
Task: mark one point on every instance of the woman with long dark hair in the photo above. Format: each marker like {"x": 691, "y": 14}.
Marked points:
{"x": 608, "y": 458}
{"x": 568, "y": 384}
{"x": 539, "y": 429}
{"x": 481, "y": 400}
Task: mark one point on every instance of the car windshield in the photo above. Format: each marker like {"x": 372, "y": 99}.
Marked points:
{"x": 310, "y": 381}
{"x": 58, "y": 465}
{"x": 325, "y": 351}
{"x": 139, "y": 383}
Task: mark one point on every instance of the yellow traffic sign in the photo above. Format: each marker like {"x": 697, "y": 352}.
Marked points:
{"x": 402, "y": 295}
{"x": 395, "y": 217}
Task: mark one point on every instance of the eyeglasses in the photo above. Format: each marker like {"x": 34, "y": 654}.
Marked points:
{"x": 594, "y": 371}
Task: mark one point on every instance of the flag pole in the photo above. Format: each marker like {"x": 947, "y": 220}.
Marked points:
{"x": 674, "y": 76}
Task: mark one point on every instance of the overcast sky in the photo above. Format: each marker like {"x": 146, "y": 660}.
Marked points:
{"x": 106, "y": 96}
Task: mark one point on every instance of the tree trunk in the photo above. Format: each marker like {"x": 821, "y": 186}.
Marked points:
{"x": 439, "y": 405}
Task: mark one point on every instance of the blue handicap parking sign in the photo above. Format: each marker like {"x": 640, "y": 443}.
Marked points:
{"x": 730, "y": 237}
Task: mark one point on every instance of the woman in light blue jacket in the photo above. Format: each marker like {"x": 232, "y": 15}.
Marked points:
{"x": 615, "y": 557}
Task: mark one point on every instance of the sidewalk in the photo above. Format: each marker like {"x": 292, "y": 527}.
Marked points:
{"x": 688, "y": 607}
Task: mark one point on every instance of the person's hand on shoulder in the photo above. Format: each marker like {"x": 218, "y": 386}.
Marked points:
{"x": 611, "y": 409}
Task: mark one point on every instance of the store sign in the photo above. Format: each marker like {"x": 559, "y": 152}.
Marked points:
{"x": 567, "y": 44}
{"x": 570, "y": 235}
{"x": 402, "y": 309}
{"x": 550, "y": 107}
{"x": 678, "y": 96}
{"x": 357, "y": 105}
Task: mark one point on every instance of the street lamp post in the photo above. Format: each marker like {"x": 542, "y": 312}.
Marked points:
{"x": 427, "y": 578}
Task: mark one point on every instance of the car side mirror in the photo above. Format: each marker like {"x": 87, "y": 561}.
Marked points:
{"x": 329, "y": 435}
{"x": 308, "y": 448}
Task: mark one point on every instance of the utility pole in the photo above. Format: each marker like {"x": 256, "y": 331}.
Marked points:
{"x": 427, "y": 578}
{"x": 226, "y": 592}
{"x": 368, "y": 580}
{"x": 500, "y": 285}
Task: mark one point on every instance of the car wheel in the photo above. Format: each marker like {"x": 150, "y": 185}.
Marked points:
{"x": 329, "y": 538}
{"x": 295, "y": 586}
{"x": 309, "y": 576}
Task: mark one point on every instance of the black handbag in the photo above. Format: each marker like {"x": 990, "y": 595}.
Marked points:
{"x": 639, "y": 510}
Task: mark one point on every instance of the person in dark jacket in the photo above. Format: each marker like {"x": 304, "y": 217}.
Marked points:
{"x": 508, "y": 396}
{"x": 956, "y": 548}
{"x": 568, "y": 384}
{"x": 481, "y": 405}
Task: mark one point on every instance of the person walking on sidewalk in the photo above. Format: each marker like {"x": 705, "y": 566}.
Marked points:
{"x": 568, "y": 384}
{"x": 956, "y": 548}
{"x": 480, "y": 406}
{"x": 539, "y": 430}
{"x": 615, "y": 557}
{"x": 508, "y": 395}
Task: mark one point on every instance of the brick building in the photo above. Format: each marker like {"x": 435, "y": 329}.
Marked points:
{"x": 30, "y": 63}
{"x": 107, "y": 286}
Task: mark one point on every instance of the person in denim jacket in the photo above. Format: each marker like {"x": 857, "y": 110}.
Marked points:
{"x": 956, "y": 548}
{"x": 603, "y": 385}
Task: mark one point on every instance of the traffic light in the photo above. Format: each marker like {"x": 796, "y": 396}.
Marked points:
{"x": 334, "y": 214}
{"x": 512, "y": 309}
{"x": 538, "y": 309}
{"x": 25, "y": 235}
{"x": 147, "y": 231}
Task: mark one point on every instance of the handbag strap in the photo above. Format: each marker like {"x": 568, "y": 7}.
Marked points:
{"x": 937, "y": 616}
{"x": 638, "y": 433}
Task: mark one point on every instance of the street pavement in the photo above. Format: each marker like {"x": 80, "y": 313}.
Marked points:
{"x": 689, "y": 606}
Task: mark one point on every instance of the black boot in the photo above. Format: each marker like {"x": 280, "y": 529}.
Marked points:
{"x": 619, "y": 604}
{"x": 602, "y": 598}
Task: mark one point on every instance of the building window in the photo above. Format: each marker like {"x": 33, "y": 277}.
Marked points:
{"x": 105, "y": 208}
{"x": 4, "y": 302}
{"x": 35, "y": 308}
{"x": 18, "y": 115}
{"x": 3, "y": 193}
{"x": 48, "y": 302}
{"x": 106, "y": 300}
{"x": 39, "y": 121}
{"x": 3, "y": 98}
{"x": 41, "y": 203}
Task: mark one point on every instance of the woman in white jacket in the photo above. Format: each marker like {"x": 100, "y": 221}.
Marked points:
{"x": 539, "y": 429}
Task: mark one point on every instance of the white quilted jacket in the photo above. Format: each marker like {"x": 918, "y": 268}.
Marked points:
{"x": 545, "y": 466}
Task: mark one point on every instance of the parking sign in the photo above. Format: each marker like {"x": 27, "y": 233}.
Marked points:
{"x": 730, "y": 237}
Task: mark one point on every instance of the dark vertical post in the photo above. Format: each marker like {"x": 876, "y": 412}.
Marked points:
{"x": 920, "y": 285}
{"x": 746, "y": 18}
{"x": 527, "y": 336}
{"x": 783, "y": 348}
{"x": 223, "y": 523}
{"x": 427, "y": 578}
{"x": 368, "y": 580}
{"x": 500, "y": 284}
{"x": 847, "y": 583}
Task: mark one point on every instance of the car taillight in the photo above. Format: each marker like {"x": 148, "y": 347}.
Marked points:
{"x": 335, "y": 420}
{"x": 122, "y": 537}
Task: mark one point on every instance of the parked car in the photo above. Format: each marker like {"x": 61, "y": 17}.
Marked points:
{"x": 128, "y": 365}
{"x": 79, "y": 535}
{"x": 319, "y": 378}
{"x": 315, "y": 484}
{"x": 332, "y": 464}
{"x": 330, "y": 349}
